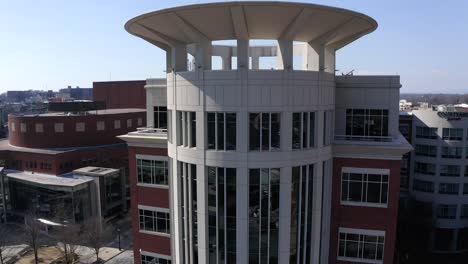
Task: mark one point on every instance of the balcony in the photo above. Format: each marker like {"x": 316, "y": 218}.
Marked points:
{"x": 371, "y": 147}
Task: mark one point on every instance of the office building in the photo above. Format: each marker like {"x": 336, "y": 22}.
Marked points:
{"x": 278, "y": 163}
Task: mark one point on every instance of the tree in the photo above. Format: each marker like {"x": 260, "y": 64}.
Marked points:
{"x": 94, "y": 233}
{"x": 67, "y": 238}
{"x": 67, "y": 234}
{"x": 32, "y": 231}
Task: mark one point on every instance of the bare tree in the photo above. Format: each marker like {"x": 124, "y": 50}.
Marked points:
{"x": 67, "y": 235}
{"x": 32, "y": 231}
{"x": 67, "y": 238}
{"x": 94, "y": 233}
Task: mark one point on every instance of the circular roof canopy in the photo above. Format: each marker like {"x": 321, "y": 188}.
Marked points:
{"x": 334, "y": 27}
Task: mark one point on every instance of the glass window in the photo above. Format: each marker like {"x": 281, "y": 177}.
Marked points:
{"x": 447, "y": 211}
{"x": 301, "y": 213}
{"x": 452, "y": 133}
{"x": 425, "y": 168}
{"x": 355, "y": 246}
{"x": 264, "y": 131}
{"x": 187, "y": 175}
{"x": 221, "y": 131}
{"x": 448, "y": 188}
{"x": 160, "y": 116}
{"x": 450, "y": 170}
{"x": 186, "y": 129}
{"x": 221, "y": 215}
{"x": 303, "y": 130}
{"x": 327, "y": 127}
{"x": 152, "y": 171}
{"x": 263, "y": 215}
{"x": 367, "y": 123}
{"x": 426, "y": 132}
{"x": 364, "y": 188}
{"x": 425, "y": 150}
{"x": 423, "y": 186}
{"x": 464, "y": 211}
{"x": 451, "y": 152}
{"x": 153, "y": 260}
{"x": 155, "y": 221}
{"x": 465, "y": 188}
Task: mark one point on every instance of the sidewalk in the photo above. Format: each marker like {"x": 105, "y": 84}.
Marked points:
{"x": 13, "y": 251}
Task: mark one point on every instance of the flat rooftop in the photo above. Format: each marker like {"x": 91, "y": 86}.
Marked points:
{"x": 89, "y": 113}
{"x": 45, "y": 180}
{"x": 5, "y": 146}
{"x": 95, "y": 171}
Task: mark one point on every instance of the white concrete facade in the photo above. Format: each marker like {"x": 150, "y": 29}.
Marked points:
{"x": 435, "y": 119}
{"x": 195, "y": 90}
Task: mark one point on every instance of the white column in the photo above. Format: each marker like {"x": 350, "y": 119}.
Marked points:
{"x": 203, "y": 56}
{"x": 242, "y": 213}
{"x": 242, "y": 54}
{"x": 202, "y": 214}
{"x": 255, "y": 62}
{"x": 178, "y": 58}
{"x": 226, "y": 62}
{"x": 284, "y": 237}
{"x": 285, "y": 53}
{"x": 326, "y": 57}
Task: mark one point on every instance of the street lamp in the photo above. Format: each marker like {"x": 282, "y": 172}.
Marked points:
{"x": 118, "y": 232}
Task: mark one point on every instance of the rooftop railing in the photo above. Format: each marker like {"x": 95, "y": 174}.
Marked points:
{"x": 150, "y": 131}
{"x": 364, "y": 138}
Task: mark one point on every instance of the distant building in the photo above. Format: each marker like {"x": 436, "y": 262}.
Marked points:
{"x": 46, "y": 148}
{"x": 405, "y": 105}
{"x": 18, "y": 96}
{"x": 121, "y": 94}
{"x": 77, "y": 93}
{"x": 436, "y": 188}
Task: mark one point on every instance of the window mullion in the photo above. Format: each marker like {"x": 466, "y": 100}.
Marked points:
{"x": 224, "y": 130}
{"x": 260, "y": 130}
{"x": 305, "y": 214}
{"x": 269, "y": 132}
{"x": 217, "y": 219}
{"x": 216, "y": 130}
{"x": 260, "y": 216}
{"x": 269, "y": 210}
{"x": 225, "y": 211}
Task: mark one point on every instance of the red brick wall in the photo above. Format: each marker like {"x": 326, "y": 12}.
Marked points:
{"x": 146, "y": 196}
{"x": 59, "y": 163}
{"x": 121, "y": 94}
{"x": 384, "y": 219}
{"x": 70, "y": 137}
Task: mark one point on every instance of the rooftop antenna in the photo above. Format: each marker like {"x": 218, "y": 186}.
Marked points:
{"x": 350, "y": 73}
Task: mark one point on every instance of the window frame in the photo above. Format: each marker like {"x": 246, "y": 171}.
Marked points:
{"x": 446, "y": 213}
{"x": 152, "y": 158}
{"x": 361, "y": 233}
{"x": 261, "y": 131}
{"x": 216, "y": 137}
{"x": 451, "y": 133}
{"x": 353, "y": 113}
{"x": 159, "y": 110}
{"x": 365, "y": 172}
{"x": 426, "y": 132}
{"x": 155, "y": 210}
{"x": 309, "y": 130}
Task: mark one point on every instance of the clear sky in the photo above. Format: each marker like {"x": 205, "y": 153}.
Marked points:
{"x": 49, "y": 44}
